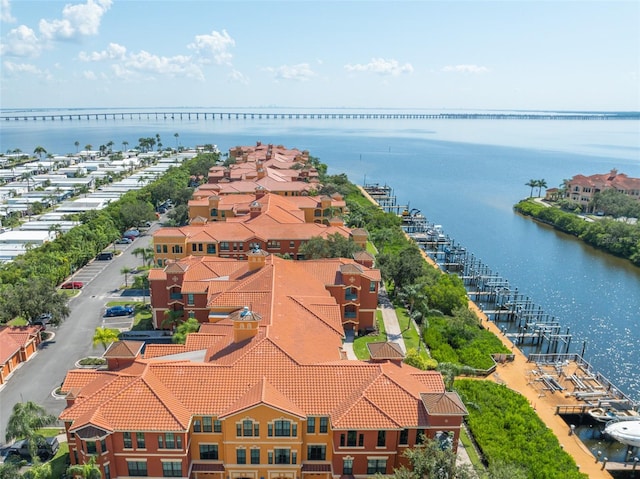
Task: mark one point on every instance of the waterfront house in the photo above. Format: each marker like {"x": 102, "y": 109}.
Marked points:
{"x": 582, "y": 189}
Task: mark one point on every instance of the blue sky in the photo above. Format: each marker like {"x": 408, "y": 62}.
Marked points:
{"x": 529, "y": 55}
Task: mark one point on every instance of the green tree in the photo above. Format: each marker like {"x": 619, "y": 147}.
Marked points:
{"x": 104, "y": 337}
{"x": 25, "y": 420}
{"x": 29, "y": 298}
{"x": 315, "y": 248}
{"x": 146, "y": 254}
{"x": 432, "y": 460}
{"x": 10, "y": 470}
{"x": 77, "y": 144}
{"x": 532, "y": 184}
{"x": 540, "y": 184}
{"x": 89, "y": 470}
{"x": 39, "y": 150}
{"x": 191, "y": 325}
{"x": 126, "y": 271}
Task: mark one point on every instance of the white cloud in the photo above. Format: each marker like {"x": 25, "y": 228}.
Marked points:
{"x": 176, "y": 66}
{"x": 113, "y": 52}
{"x": 238, "y": 77}
{"x": 21, "y": 42}
{"x": 214, "y": 46}
{"x": 11, "y": 67}
{"x": 77, "y": 21}
{"x": 5, "y": 12}
{"x": 381, "y": 66}
{"x": 299, "y": 72}
{"x": 465, "y": 69}
{"x": 89, "y": 75}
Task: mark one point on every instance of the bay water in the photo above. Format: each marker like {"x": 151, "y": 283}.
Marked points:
{"x": 462, "y": 174}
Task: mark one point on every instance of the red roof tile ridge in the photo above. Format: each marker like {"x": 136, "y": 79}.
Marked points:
{"x": 356, "y": 409}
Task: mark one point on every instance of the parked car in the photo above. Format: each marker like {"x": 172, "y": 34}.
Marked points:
{"x": 72, "y": 285}
{"x": 45, "y": 451}
{"x": 105, "y": 255}
{"x": 131, "y": 232}
{"x": 124, "y": 240}
{"x": 119, "y": 311}
{"x": 130, "y": 237}
{"x": 42, "y": 320}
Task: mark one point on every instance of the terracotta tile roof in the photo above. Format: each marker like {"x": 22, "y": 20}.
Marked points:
{"x": 446, "y": 404}
{"x": 263, "y": 393}
{"x": 385, "y": 350}
{"x": 124, "y": 349}
{"x": 13, "y": 338}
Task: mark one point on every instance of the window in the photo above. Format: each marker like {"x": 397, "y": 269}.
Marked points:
{"x": 404, "y": 437}
{"x": 197, "y": 425}
{"x": 255, "y": 456}
{"x": 194, "y": 247}
{"x": 273, "y": 244}
{"x": 224, "y": 245}
{"x": 217, "y": 426}
{"x": 206, "y": 424}
{"x": 247, "y": 428}
{"x": 324, "y": 424}
{"x": 381, "y": 438}
{"x": 311, "y": 425}
{"x": 283, "y": 428}
{"x": 172, "y": 469}
{"x": 103, "y": 446}
{"x": 351, "y": 294}
{"x": 190, "y": 300}
{"x": 347, "y": 466}
{"x": 419, "y": 436}
{"x": 158, "y": 248}
{"x": 372, "y": 286}
{"x": 107, "y": 471}
{"x": 292, "y": 244}
{"x": 126, "y": 438}
{"x": 238, "y": 246}
{"x": 316, "y": 453}
{"x": 169, "y": 441}
{"x": 137, "y": 468}
{"x": 176, "y": 249}
{"x": 140, "y": 440}
{"x": 208, "y": 451}
{"x": 281, "y": 456}
{"x": 241, "y": 456}
{"x": 91, "y": 447}
{"x": 352, "y": 437}
{"x": 211, "y": 248}
{"x": 214, "y": 212}
{"x": 375, "y": 466}
{"x": 165, "y": 249}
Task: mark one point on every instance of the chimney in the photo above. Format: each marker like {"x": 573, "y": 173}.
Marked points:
{"x": 245, "y": 324}
{"x": 257, "y": 258}
{"x": 261, "y": 173}
{"x": 260, "y": 192}
{"x": 255, "y": 209}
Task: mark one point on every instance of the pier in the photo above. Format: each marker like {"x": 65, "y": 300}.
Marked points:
{"x": 340, "y": 115}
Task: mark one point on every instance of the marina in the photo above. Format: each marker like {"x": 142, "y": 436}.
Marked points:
{"x": 570, "y": 396}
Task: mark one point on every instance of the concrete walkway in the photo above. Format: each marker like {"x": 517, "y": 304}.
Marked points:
{"x": 391, "y": 325}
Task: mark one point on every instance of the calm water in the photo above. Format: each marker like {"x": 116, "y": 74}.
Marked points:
{"x": 464, "y": 175}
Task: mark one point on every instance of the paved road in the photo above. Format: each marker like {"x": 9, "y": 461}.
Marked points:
{"x": 36, "y": 379}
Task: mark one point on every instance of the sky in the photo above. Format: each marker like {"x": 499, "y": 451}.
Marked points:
{"x": 576, "y": 55}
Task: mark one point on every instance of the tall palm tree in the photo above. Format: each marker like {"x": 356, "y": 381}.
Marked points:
{"x": 124, "y": 145}
{"x": 26, "y": 418}
{"x": 531, "y": 183}
{"x": 126, "y": 272}
{"x": 77, "y": 143}
{"x": 541, "y": 184}
{"x": 39, "y": 151}
{"x": 176, "y": 135}
{"x": 27, "y": 177}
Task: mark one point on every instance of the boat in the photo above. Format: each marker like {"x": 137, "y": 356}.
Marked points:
{"x": 626, "y": 431}
{"x": 606, "y": 414}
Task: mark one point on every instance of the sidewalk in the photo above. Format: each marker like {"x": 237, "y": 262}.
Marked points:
{"x": 391, "y": 325}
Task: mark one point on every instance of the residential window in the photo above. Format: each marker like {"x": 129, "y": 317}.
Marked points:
{"x": 372, "y": 286}
{"x": 208, "y": 451}
{"x": 224, "y": 245}
{"x": 324, "y": 424}
{"x": 347, "y": 466}
{"x": 137, "y": 468}
{"x": 404, "y": 437}
{"x": 273, "y": 244}
{"x": 200, "y": 247}
{"x": 282, "y": 456}
{"x": 107, "y": 471}
{"x": 255, "y": 456}
{"x": 91, "y": 447}
{"x": 170, "y": 441}
{"x": 223, "y": 214}
{"x": 194, "y": 247}
{"x": 171, "y": 469}
{"x": 317, "y": 213}
{"x": 316, "y": 453}
{"x": 382, "y": 436}
{"x": 158, "y": 248}
{"x": 241, "y": 456}
{"x": 126, "y": 438}
{"x": 283, "y": 428}
{"x": 165, "y": 249}
{"x": 211, "y": 248}
{"x": 419, "y": 436}
{"x": 247, "y": 428}
{"x": 292, "y": 244}
{"x": 190, "y": 299}
{"x": 238, "y": 246}
{"x": 140, "y": 440}
{"x": 176, "y": 249}
{"x": 103, "y": 446}
{"x": 352, "y": 437}
{"x": 270, "y": 457}
{"x": 311, "y": 425}
{"x": 206, "y": 424}
{"x": 375, "y": 466}
{"x": 197, "y": 425}
{"x": 214, "y": 212}
{"x": 217, "y": 426}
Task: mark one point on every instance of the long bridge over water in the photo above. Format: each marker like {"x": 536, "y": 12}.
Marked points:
{"x": 213, "y": 115}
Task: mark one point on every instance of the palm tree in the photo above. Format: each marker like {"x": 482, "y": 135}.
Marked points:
{"x": 126, "y": 272}
{"x": 172, "y": 319}
{"x": 77, "y": 143}
{"x": 39, "y": 151}
{"x": 26, "y": 418}
{"x": 124, "y": 145}
{"x": 541, "y": 184}
{"x": 532, "y": 184}
{"x": 89, "y": 470}
{"x": 104, "y": 336}
{"x": 146, "y": 254}
{"x": 176, "y": 135}
{"x": 27, "y": 176}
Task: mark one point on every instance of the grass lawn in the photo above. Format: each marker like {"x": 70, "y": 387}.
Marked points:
{"x": 360, "y": 344}
{"x": 142, "y": 319}
{"x": 473, "y": 454}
